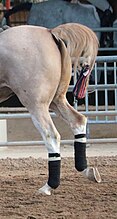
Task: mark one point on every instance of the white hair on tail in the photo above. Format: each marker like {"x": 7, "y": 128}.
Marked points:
{"x": 81, "y": 42}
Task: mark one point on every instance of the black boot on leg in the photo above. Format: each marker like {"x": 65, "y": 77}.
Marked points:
{"x": 91, "y": 173}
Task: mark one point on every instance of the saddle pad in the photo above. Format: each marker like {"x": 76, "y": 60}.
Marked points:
{"x": 79, "y": 90}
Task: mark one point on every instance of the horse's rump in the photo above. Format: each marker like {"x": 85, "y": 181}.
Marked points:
{"x": 41, "y": 53}
{"x": 29, "y": 58}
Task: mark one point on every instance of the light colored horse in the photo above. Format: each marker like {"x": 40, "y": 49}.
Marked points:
{"x": 36, "y": 66}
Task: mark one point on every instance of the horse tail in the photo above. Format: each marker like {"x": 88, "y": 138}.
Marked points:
{"x": 66, "y": 67}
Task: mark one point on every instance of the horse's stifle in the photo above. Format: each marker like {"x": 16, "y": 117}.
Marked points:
{"x": 35, "y": 64}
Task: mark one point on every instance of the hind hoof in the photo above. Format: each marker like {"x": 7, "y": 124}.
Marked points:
{"x": 45, "y": 190}
{"x": 92, "y": 174}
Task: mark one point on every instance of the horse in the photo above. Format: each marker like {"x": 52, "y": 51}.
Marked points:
{"x": 35, "y": 64}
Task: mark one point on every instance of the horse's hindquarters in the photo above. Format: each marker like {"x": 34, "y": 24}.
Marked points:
{"x": 31, "y": 64}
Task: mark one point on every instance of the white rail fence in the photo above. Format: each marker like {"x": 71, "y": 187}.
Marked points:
{"x": 106, "y": 114}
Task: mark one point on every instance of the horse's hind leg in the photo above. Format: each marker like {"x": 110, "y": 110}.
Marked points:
{"x": 44, "y": 124}
{"x": 78, "y": 124}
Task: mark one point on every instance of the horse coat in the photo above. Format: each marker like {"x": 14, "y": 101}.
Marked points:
{"x": 38, "y": 70}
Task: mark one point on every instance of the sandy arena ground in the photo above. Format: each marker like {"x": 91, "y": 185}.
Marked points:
{"x": 76, "y": 198}
{"x": 24, "y": 170}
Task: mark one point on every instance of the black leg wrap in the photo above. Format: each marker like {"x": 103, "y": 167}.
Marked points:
{"x": 80, "y": 153}
{"x": 54, "y": 171}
